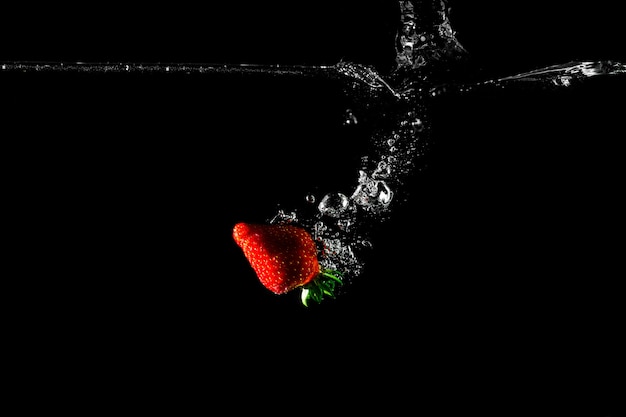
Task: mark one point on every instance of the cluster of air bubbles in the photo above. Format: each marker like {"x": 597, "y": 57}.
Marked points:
{"x": 334, "y": 230}
{"x": 564, "y": 81}
{"x": 283, "y": 217}
{"x": 413, "y": 123}
{"x": 338, "y": 255}
{"x": 339, "y": 246}
{"x": 371, "y": 193}
{"x": 338, "y": 227}
{"x": 349, "y": 118}
{"x": 383, "y": 170}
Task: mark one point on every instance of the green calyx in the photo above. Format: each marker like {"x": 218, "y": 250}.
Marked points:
{"x": 321, "y": 286}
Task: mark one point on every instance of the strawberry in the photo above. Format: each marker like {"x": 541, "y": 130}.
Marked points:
{"x": 284, "y": 258}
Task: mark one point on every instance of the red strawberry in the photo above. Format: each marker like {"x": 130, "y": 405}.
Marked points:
{"x": 284, "y": 258}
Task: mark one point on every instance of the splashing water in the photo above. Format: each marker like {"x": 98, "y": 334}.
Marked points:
{"x": 342, "y": 221}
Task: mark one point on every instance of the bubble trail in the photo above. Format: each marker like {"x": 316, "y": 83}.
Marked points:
{"x": 343, "y": 220}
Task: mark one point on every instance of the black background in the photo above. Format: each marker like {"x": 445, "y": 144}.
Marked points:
{"x": 494, "y": 288}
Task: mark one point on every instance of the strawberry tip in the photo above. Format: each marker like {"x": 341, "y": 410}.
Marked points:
{"x": 322, "y": 285}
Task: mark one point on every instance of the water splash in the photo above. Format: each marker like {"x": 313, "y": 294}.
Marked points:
{"x": 342, "y": 221}
{"x": 426, "y": 36}
{"x": 569, "y": 74}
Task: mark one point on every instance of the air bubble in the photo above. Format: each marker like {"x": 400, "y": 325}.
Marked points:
{"x": 349, "y": 118}
{"x": 334, "y": 204}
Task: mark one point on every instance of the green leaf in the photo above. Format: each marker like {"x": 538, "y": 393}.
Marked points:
{"x": 322, "y": 285}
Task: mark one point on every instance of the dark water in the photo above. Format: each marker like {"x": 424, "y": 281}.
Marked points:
{"x": 503, "y": 266}
{"x": 124, "y": 192}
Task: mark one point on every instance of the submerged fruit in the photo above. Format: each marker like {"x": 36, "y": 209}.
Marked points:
{"x": 284, "y": 258}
